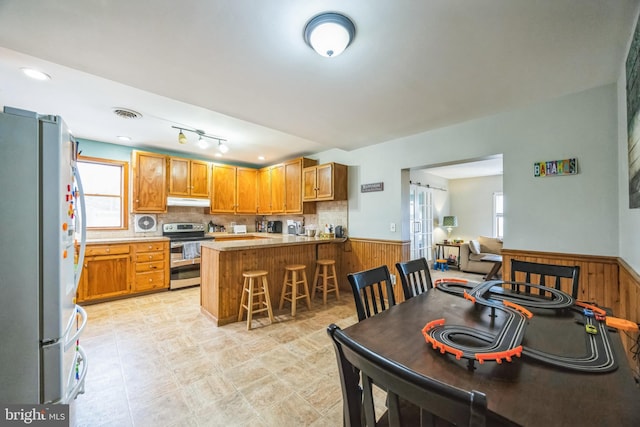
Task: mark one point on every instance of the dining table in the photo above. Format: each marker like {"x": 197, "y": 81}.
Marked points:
{"x": 524, "y": 391}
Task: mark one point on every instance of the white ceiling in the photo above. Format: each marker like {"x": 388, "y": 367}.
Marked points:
{"x": 472, "y": 169}
{"x": 240, "y": 69}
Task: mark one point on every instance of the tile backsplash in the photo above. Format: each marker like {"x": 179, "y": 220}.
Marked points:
{"x": 335, "y": 213}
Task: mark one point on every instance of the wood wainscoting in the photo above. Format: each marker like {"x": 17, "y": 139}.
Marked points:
{"x": 364, "y": 254}
{"x": 608, "y": 281}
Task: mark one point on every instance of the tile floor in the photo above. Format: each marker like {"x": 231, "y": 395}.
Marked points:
{"x": 156, "y": 360}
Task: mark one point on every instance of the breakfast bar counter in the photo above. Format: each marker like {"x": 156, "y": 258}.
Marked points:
{"x": 223, "y": 261}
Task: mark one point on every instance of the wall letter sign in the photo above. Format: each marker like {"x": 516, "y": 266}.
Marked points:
{"x": 556, "y": 167}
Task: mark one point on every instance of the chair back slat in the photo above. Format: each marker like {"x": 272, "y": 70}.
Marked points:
{"x": 544, "y": 271}
{"x": 415, "y": 277}
{"x": 408, "y": 392}
{"x": 369, "y": 288}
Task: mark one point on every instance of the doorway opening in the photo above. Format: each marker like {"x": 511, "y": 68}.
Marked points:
{"x": 466, "y": 189}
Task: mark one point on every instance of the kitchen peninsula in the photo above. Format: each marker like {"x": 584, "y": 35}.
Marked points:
{"x": 223, "y": 261}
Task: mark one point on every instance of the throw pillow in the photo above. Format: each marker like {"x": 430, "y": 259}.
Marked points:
{"x": 474, "y": 246}
{"x": 490, "y": 245}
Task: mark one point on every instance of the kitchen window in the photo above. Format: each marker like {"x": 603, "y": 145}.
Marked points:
{"x": 105, "y": 183}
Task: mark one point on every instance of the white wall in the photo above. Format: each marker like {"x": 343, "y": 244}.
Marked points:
{"x": 472, "y": 203}
{"x": 629, "y": 219}
{"x": 563, "y": 214}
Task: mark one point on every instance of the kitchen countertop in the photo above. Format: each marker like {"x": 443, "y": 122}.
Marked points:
{"x": 264, "y": 240}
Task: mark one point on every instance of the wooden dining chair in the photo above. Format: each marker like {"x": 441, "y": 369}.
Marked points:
{"x": 415, "y": 277}
{"x": 412, "y": 399}
{"x": 369, "y": 288}
{"x": 532, "y": 270}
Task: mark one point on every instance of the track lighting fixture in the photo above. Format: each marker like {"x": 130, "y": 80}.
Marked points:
{"x": 181, "y": 138}
{"x": 202, "y": 142}
{"x": 223, "y": 148}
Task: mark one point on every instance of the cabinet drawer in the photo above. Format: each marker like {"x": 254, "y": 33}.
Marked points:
{"x": 149, "y": 246}
{"x": 93, "y": 250}
{"x": 149, "y": 266}
{"x": 150, "y": 280}
{"x": 149, "y": 256}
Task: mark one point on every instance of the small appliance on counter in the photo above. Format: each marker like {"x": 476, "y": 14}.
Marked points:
{"x": 239, "y": 229}
{"x": 274, "y": 227}
{"x": 339, "y": 231}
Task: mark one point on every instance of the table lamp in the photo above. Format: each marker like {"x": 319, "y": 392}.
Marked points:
{"x": 449, "y": 222}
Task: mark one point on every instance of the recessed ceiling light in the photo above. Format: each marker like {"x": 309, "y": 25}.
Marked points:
{"x": 124, "y": 138}
{"x": 35, "y": 74}
{"x": 260, "y": 157}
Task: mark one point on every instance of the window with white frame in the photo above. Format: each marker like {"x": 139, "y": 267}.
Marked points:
{"x": 105, "y": 184}
{"x": 498, "y": 215}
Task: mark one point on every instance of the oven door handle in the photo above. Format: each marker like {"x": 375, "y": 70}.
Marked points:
{"x": 183, "y": 262}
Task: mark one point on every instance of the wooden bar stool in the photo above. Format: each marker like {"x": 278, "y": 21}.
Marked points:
{"x": 252, "y": 290}
{"x": 295, "y": 280}
{"x": 322, "y": 272}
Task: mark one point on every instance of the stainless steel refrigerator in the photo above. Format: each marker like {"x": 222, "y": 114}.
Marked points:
{"x": 41, "y": 361}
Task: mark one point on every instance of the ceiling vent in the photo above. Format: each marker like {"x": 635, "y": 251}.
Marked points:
{"x": 126, "y": 113}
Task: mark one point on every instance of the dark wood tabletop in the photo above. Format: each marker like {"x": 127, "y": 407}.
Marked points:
{"x": 524, "y": 391}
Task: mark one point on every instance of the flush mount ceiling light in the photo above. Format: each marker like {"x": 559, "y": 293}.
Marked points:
{"x": 329, "y": 33}
{"x": 202, "y": 143}
{"x": 35, "y": 74}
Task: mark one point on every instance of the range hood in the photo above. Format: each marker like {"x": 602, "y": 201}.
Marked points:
{"x": 185, "y": 201}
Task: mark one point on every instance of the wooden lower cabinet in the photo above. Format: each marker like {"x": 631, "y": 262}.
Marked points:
{"x": 151, "y": 266}
{"x": 116, "y": 270}
{"x": 106, "y": 272}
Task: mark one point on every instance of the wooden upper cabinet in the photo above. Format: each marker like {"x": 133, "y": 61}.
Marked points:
{"x": 188, "y": 178}
{"x": 200, "y": 177}
{"x": 223, "y": 189}
{"x": 293, "y": 183}
{"x": 309, "y": 184}
{"x": 246, "y": 190}
{"x": 264, "y": 191}
{"x": 325, "y": 182}
{"x": 277, "y": 189}
{"x": 149, "y": 182}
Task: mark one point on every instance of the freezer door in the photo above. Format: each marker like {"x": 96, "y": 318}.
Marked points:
{"x": 61, "y": 361}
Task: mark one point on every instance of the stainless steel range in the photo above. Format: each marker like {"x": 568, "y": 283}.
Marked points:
{"x": 185, "y": 239}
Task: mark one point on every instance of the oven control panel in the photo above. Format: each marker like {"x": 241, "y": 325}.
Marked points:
{"x": 184, "y": 227}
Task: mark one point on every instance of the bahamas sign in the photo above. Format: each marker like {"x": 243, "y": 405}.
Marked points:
{"x": 556, "y": 167}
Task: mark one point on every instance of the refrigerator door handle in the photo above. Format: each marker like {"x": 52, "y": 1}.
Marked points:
{"x": 77, "y": 375}
{"x": 83, "y": 228}
{"x": 80, "y": 311}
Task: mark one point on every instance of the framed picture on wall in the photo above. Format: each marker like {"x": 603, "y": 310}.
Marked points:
{"x": 633, "y": 118}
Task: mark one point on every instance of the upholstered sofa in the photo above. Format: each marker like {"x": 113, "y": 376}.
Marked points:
{"x": 472, "y": 252}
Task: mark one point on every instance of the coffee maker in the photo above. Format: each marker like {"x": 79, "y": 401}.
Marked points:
{"x": 274, "y": 227}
